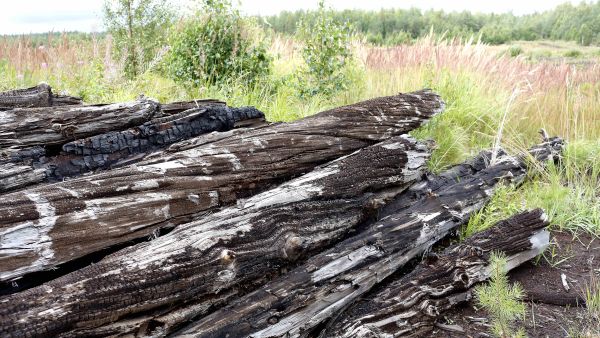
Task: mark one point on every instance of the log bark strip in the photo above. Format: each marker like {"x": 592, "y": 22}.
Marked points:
{"x": 293, "y": 305}
{"x": 76, "y": 217}
{"x": 38, "y": 96}
{"x": 238, "y": 245}
{"x": 409, "y": 306}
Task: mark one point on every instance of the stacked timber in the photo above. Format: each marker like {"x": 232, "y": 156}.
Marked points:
{"x": 255, "y": 229}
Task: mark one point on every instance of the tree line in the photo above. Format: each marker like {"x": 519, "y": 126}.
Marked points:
{"x": 580, "y": 23}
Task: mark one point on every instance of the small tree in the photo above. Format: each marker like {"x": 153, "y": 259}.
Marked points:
{"x": 138, "y": 28}
{"x": 326, "y": 53}
{"x": 214, "y": 47}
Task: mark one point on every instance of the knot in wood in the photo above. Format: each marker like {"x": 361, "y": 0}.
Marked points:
{"x": 227, "y": 256}
{"x": 273, "y": 320}
{"x": 293, "y": 247}
{"x": 461, "y": 279}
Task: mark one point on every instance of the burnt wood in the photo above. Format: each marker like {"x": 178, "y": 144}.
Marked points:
{"x": 38, "y": 96}
{"x": 308, "y": 296}
{"x": 50, "y": 224}
{"x": 118, "y": 148}
{"x": 410, "y": 306}
{"x": 240, "y": 245}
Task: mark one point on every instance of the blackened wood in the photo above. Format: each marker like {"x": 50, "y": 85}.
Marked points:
{"x": 118, "y": 148}
{"x": 410, "y": 306}
{"x": 50, "y": 224}
{"x": 38, "y": 96}
{"x": 311, "y": 294}
{"x": 181, "y": 106}
{"x": 237, "y": 246}
{"x": 21, "y": 128}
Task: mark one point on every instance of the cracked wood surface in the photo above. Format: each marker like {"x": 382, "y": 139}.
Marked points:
{"x": 409, "y": 306}
{"x": 82, "y": 215}
{"x": 295, "y": 304}
{"x": 118, "y": 148}
{"x": 240, "y": 245}
{"x": 22, "y": 128}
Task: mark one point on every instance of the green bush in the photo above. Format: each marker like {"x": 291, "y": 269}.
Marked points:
{"x": 515, "y": 51}
{"x": 214, "y": 47}
{"x": 326, "y": 53}
{"x": 573, "y": 53}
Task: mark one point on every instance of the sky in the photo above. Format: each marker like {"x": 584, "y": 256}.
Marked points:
{"x": 38, "y": 16}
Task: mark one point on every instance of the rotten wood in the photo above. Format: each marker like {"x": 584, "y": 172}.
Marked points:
{"x": 239, "y": 245}
{"x": 310, "y": 295}
{"x": 38, "y": 96}
{"x": 51, "y": 224}
{"x": 410, "y": 306}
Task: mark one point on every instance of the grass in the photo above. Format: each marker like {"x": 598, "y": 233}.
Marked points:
{"x": 490, "y": 99}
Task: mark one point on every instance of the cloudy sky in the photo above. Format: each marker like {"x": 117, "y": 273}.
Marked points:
{"x": 33, "y": 16}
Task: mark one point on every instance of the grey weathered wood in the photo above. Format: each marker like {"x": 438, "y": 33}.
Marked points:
{"x": 410, "y": 306}
{"x": 293, "y": 305}
{"x": 51, "y": 224}
{"x": 116, "y": 148}
{"x": 38, "y": 96}
{"x": 21, "y": 128}
{"x": 239, "y": 245}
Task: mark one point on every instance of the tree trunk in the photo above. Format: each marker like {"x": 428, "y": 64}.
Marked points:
{"x": 52, "y": 224}
{"x": 38, "y": 96}
{"x": 241, "y": 245}
{"x": 409, "y": 306}
{"x": 295, "y": 304}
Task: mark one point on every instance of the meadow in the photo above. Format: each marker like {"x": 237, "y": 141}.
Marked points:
{"x": 493, "y": 99}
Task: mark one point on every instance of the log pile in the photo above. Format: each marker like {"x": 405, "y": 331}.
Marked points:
{"x": 272, "y": 229}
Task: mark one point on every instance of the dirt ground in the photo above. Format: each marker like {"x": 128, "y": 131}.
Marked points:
{"x": 552, "y": 311}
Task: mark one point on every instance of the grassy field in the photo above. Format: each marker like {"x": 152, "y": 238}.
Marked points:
{"x": 491, "y": 97}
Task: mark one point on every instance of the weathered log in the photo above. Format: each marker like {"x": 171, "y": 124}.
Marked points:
{"x": 38, "y": 96}
{"x": 409, "y": 306}
{"x": 311, "y": 294}
{"x": 181, "y": 106}
{"x": 118, "y": 148}
{"x": 51, "y": 224}
{"x": 21, "y": 128}
{"x": 238, "y": 245}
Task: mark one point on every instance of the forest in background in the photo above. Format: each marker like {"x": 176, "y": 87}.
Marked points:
{"x": 579, "y": 23}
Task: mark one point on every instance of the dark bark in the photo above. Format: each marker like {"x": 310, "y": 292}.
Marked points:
{"x": 38, "y": 96}
{"x": 240, "y": 245}
{"x": 50, "y": 224}
{"x": 410, "y": 306}
{"x": 295, "y": 304}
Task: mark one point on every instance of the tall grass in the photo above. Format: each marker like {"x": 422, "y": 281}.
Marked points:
{"x": 490, "y": 98}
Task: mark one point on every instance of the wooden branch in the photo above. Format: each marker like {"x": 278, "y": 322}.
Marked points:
{"x": 409, "y": 306}
{"x": 239, "y": 245}
{"x": 52, "y": 224}
{"x": 316, "y": 291}
{"x": 38, "y": 96}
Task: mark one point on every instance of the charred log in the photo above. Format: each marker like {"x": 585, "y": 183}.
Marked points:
{"x": 410, "y": 306}
{"x": 295, "y": 304}
{"x": 237, "y": 246}
{"x": 118, "y": 148}
{"x": 51, "y": 224}
{"x": 22, "y": 128}
{"x": 38, "y": 96}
